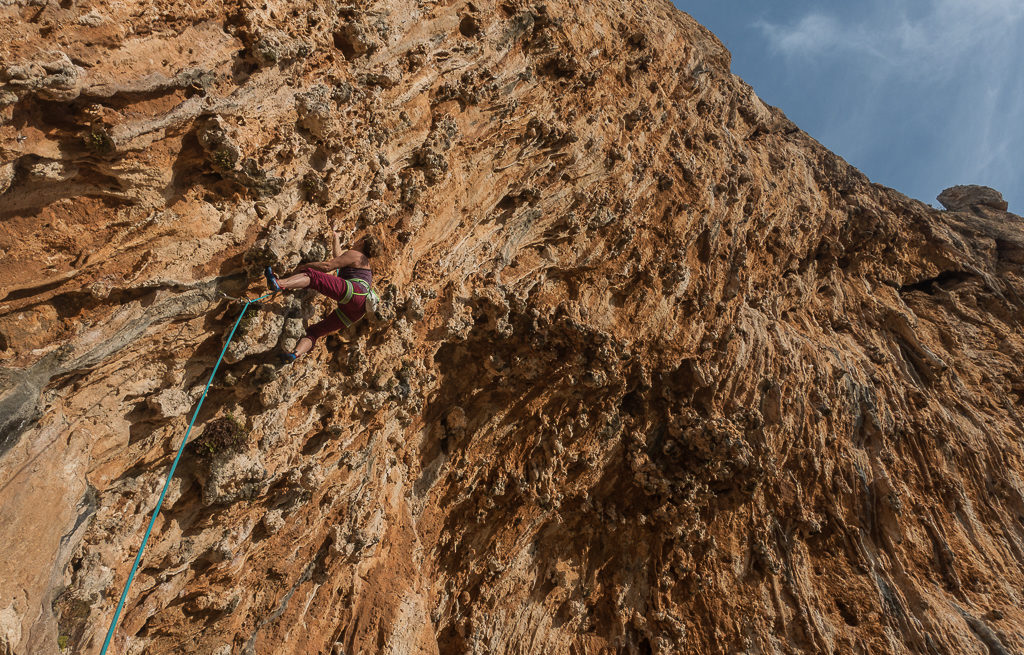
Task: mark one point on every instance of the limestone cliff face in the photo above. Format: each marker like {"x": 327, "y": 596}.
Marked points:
{"x": 657, "y": 373}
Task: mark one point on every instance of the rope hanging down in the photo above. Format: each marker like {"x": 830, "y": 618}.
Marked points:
{"x": 167, "y": 483}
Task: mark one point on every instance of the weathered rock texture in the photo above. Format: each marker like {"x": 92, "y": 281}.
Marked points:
{"x": 657, "y": 372}
{"x": 971, "y": 197}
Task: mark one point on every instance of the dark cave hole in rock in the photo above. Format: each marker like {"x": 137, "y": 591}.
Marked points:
{"x": 847, "y": 613}
{"x": 344, "y": 43}
{"x": 945, "y": 277}
{"x": 469, "y": 26}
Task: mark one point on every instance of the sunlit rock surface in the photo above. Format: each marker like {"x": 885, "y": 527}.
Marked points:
{"x": 655, "y": 371}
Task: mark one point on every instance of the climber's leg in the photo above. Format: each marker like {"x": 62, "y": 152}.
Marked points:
{"x": 329, "y": 285}
{"x": 332, "y": 323}
{"x": 297, "y": 281}
{"x": 304, "y": 346}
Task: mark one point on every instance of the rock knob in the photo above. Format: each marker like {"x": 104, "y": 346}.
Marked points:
{"x": 964, "y": 197}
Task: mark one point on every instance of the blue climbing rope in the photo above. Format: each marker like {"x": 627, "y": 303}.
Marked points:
{"x": 167, "y": 483}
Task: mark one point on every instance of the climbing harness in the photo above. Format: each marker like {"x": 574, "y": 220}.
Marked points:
{"x": 350, "y": 291}
{"x": 167, "y": 483}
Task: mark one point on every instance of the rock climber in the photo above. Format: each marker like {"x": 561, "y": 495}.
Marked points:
{"x": 349, "y": 287}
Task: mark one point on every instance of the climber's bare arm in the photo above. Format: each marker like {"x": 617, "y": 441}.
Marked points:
{"x": 348, "y": 258}
{"x": 335, "y": 244}
{"x": 352, "y": 258}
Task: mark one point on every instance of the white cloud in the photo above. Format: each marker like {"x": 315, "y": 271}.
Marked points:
{"x": 815, "y": 34}
{"x": 885, "y": 32}
{"x": 956, "y": 63}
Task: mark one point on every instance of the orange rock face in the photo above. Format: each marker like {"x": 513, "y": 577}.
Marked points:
{"x": 654, "y": 372}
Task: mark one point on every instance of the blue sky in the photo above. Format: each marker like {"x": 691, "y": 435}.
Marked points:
{"x": 919, "y": 95}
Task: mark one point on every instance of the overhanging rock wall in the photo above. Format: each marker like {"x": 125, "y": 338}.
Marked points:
{"x": 658, "y": 373}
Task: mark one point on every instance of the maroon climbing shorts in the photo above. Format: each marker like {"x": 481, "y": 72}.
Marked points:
{"x": 334, "y": 288}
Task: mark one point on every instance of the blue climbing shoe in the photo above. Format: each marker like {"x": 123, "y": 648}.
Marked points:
{"x": 288, "y": 358}
{"x": 271, "y": 279}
